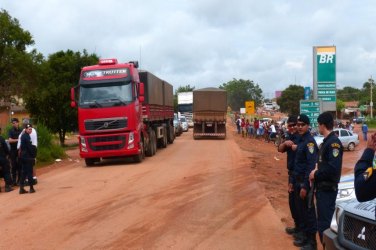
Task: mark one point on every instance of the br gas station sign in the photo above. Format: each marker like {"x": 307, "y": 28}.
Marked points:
{"x": 324, "y": 76}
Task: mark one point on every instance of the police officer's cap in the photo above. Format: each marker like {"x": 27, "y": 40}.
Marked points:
{"x": 303, "y": 118}
{"x": 292, "y": 119}
{"x": 15, "y": 120}
{"x": 325, "y": 118}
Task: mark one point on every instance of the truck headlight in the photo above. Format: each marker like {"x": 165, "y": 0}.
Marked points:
{"x": 342, "y": 193}
{"x": 335, "y": 220}
{"x": 83, "y": 144}
{"x": 131, "y": 140}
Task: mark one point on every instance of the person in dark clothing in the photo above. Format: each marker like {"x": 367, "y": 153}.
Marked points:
{"x": 4, "y": 163}
{"x": 305, "y": 161}
{"x": 14, "y": 133}
{"x": 365, "y": 173}
{"x": 328, "y": 172}
{"x": 27, "y": 156}
{"x": 291, "y": 139}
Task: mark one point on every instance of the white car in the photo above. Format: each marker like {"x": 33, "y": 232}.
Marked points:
{"x": 349, "y": 139}
{"x": 184, "y": 123}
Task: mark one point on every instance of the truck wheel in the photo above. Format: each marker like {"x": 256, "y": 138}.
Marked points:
{"x": 150, "y": 148}
{"x": 138, "y": 158}
{"x": 90, "y": 161}
{"x": 153, "y": 141}
{"x": 164, "y": 138}
{"x": 170, "y": 134}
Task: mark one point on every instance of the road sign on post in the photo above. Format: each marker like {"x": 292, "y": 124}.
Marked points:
{"x": 250, "y": 107}
{"x": 311, "y": 108}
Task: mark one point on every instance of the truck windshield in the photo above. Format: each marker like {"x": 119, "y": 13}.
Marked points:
{"x": 185, "y": 108}
{"x": 105, "y": 94}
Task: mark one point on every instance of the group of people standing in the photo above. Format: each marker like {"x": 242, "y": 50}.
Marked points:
{"x": 313, "y": 177}
{"x": 256, "y": 128}
{"x": 17, "y": 159}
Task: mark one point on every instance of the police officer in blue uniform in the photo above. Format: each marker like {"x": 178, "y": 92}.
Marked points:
{"x": 291, "y": 139}
{"x": 305, "y": 161}
{"x": 328, "y": 172}
{"x": 365, "y": 173}
{"x": 4, "y": 164}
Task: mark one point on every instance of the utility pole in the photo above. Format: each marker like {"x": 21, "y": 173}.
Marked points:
{"x": 371, "y": 103}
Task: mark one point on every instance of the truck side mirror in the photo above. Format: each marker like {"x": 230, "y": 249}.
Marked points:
{"x": 73, "y": 101}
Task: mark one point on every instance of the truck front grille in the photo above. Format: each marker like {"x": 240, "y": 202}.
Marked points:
{"x": 106, "y": 124}
{"x": 359, "y": 231}
{"x": 103, "y": 143}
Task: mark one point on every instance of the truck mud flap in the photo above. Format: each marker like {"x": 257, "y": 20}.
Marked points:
{"x": 209, "y": 136}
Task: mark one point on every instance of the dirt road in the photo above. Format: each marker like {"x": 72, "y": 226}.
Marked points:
{"x": 203, "y": 194}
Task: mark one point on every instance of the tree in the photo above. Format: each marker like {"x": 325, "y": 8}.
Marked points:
{"x": 16, "y": 64}
{"x": 289, "y": 102}
{"x": 340, "y": 105}
{"x": 49, "y": 101}
{"x": 186, "y": 88}
{"x": 240, "y": 91}
{"x": 348, "y": 94}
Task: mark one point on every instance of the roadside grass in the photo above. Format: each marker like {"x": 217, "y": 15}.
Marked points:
{"x": 49, "y": 148}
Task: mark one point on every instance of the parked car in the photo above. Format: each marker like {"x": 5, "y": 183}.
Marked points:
{"x": 349, "y": 139}
{"x": 184, "y": 123}
{"x": 177, "y": 125}
{"x": 359, "y": 120}
{"x": 353, "y": 221}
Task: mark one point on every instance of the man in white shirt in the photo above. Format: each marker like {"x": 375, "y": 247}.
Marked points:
{"x": 34, "y": 141}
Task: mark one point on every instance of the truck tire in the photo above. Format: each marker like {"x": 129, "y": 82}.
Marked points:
{"x": 91, "y": 161}
{"x": 149, "y": 147}
{"x": 138, "y": 158}
{"x": 170, "y": 134}
{"x": 153, "y": 141}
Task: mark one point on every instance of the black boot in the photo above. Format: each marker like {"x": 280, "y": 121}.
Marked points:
{"x": 299, "y": 242}
{"x": 291, "y": 230}
{"x": 22, "y": 190}
{"x": 32, "y": 190}
{"x": 8, "y": 188}
{"x": 311, "y": 242}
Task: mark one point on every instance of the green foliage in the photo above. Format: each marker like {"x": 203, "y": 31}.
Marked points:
{"x": 240, "y": 91}
{"x": 289, "y": 102}
{"x": 340, "y": 105}
{"x": 49, "y": 101}
{"x": 48, "y": 150}
{"x": 44, "y": 137}
{"x": 186, "y": 88}
{"x": 348, "y": 94}
{"x": 16, "y": 63}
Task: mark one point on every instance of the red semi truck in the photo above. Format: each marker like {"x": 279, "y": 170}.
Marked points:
{"x": 122, "y": 111}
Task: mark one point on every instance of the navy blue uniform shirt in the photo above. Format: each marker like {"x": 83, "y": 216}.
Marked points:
{"x": 330, "y": 160}
{"x": 306, "y": 158}
{"x": 291, "y": 153}
{"x": 365, "y": 176}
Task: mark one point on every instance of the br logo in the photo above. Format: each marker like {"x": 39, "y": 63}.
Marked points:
{"x": 326, "y": 58}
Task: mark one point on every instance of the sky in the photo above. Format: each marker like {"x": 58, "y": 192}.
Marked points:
{"x": 207, "y": 43}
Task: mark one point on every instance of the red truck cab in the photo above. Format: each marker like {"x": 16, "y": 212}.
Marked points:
{"x": 111, "y": 122}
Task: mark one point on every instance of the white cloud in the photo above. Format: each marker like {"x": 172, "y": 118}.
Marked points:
{"x": 206, "y": 43}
